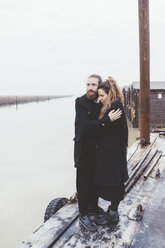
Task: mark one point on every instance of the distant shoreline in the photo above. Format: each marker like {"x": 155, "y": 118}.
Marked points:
{"x": 9, "y": 100}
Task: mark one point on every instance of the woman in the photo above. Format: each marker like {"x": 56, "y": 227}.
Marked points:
{"x": 111, "y": 165}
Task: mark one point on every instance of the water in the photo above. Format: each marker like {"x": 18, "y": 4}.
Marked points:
{"x": 36, "y": 164}
{"x": 36, "y": 147}
{"x": 133, "y": 133}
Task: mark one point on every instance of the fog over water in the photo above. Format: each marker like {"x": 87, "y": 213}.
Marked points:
{"x": 45, "y": 44}
{"x": 36, "y": 164}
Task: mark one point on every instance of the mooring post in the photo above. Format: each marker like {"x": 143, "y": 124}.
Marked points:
{"x": 144, "y": 41}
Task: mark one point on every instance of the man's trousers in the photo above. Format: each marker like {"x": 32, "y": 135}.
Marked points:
{"x": 86, "y": 188}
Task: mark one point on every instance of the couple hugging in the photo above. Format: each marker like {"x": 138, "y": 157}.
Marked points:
{"x": 101, "y": 139}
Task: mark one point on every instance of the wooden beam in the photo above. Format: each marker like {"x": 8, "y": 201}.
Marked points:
{"x": 144, "y": 70}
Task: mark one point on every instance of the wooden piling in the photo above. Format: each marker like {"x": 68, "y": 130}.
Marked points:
{"x": 144, "y": 70}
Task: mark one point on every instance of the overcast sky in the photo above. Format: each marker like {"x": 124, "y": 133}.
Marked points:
{"x": 51, "y": 46}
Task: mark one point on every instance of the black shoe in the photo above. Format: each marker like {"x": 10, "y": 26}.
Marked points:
{"x": 87, "y": 223}
{"x": 96, "y": 211}
{"x": 101, "y": 219}
{"x": 112, "y": 217}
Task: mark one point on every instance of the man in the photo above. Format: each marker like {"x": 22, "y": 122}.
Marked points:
{"x": 86, "y": 126}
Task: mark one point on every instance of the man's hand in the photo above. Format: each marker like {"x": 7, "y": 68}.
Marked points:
{"x": 114, "y": 115}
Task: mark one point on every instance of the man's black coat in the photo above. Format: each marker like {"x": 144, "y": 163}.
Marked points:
{"x": 87, "y": 127}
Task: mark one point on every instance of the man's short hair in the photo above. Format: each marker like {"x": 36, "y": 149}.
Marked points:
{"x": 96, "y": 76}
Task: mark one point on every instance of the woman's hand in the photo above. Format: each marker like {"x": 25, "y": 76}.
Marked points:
{"x": 114, "y": 115}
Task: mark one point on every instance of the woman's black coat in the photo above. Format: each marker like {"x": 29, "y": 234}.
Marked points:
{"x": 111, "y": 161}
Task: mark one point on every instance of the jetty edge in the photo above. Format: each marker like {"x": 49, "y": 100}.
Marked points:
{"x": 138, "y": 221}
{"x": 9, "y": 100}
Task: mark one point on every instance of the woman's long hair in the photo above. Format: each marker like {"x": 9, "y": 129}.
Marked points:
{"x": 114, "y": 92}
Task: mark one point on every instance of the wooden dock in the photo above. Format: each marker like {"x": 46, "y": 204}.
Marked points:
{"x": 62, "y": 229}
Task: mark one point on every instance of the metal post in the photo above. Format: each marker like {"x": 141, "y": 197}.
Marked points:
{"x": 144, "y": 70}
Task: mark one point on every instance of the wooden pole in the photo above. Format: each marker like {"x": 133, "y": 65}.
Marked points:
{"x": 144, "y": 70}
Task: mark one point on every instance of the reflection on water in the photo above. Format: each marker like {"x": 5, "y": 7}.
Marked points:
{"x": 36, "y": 164}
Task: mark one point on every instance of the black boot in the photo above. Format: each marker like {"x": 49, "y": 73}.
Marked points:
{"x": 87, "y": 223}
{"x": 112, "y": 217}
{"x": 101, "y": 219}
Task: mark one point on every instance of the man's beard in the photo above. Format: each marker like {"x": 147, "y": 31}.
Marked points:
{"x": 92, "y": 96}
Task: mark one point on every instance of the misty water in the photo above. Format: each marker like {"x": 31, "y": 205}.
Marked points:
{"x": 36, "y": 164}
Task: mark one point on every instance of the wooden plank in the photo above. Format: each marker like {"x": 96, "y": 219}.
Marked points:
{"x": 52, "y": 229}
{"x": 152, "y": 164}
{"x": 139, "y": 171}
{"x": 137, "y": 154}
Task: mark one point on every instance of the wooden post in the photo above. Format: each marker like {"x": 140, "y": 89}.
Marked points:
{"x": 144, "y": 70}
